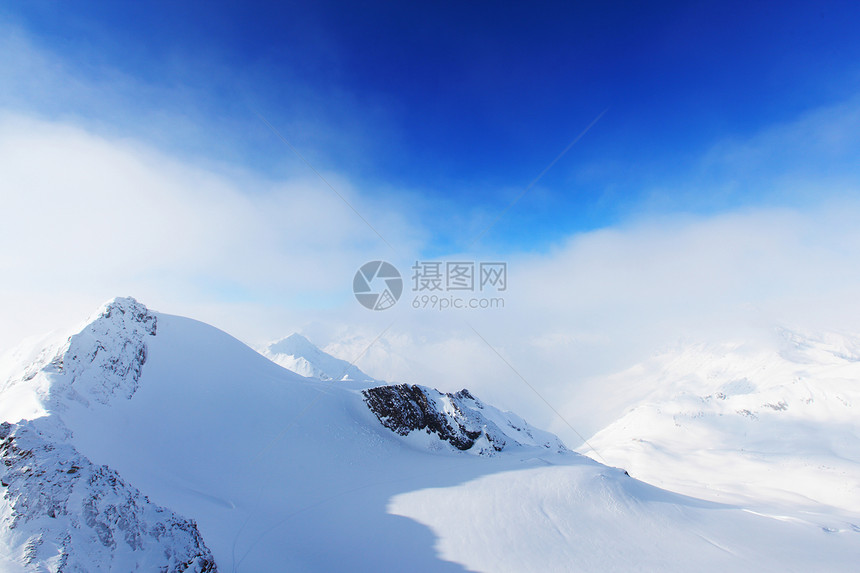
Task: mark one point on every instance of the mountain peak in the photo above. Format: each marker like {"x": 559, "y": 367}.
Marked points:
{"x": 107, "y": 356}
{"x": 293, "y": 344}
{"x": 297, "y": 353}
{"x": 103, "y": 359}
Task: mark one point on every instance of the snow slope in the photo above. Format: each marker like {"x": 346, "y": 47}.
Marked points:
{"x": 281, "y": 472}
{"x": 774, "y": 424}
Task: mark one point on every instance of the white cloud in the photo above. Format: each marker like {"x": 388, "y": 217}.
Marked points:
{"x": 95, "y": 217}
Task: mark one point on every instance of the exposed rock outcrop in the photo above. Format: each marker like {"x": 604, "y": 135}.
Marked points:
{"x": 459, "y": 419}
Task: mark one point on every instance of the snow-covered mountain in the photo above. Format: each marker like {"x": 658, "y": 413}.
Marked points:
{"x": 747, "y": 423}
{"x": 148, "y": 442}
{"x": 60, "y": 511}
{"x": 297, "y": 353}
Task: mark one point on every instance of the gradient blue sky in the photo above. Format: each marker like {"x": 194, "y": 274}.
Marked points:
{"x": 460, "y": 105}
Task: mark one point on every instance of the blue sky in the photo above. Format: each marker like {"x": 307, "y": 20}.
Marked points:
{"x": 459, "y": 106}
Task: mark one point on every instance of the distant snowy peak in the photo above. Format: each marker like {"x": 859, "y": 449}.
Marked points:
{"x": 459, "y": 419}
{"x": 818, "y": 348}
{"x": 730, "y": 410}
{"x": 803, "y": 374}
{"x": 300, "y": 355}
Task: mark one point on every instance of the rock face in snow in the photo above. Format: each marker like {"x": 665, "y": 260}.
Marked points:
{"x": 64, "y": 513}
{"x": 299, "y": 354}
{"x": 459, "y": 419}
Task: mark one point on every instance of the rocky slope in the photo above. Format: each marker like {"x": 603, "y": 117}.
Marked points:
{"x": 64, "y": 513}
{"x": 459, "y": 419}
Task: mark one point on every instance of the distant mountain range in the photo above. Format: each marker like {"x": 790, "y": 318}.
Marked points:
{"x": 766, "y": 423}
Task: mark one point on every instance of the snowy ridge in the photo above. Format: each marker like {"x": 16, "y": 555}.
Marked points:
{"x": 459, "y": 419}
{"x": 300, "y": 355}
{"x": 63, "y": 513}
